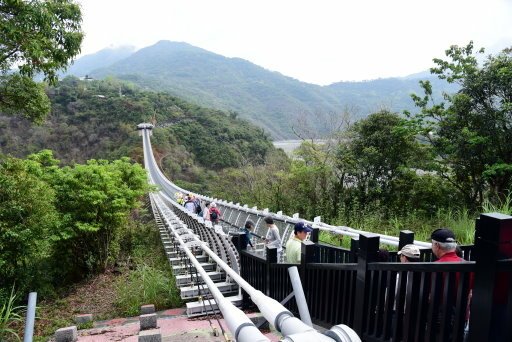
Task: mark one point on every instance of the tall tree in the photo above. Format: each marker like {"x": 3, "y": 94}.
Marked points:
{"x": 36, "y": 37}
{"x": 471, "y": 130}
{"x": 28, "y": 221}
{"x": 376, "y": 153}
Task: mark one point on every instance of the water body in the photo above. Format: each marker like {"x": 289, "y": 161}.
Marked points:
{"x": 289, "y": 146}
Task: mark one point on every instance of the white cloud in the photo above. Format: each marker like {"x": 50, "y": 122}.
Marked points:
{"x": 321, "y": 41}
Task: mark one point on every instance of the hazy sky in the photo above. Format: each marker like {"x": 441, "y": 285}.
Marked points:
{"x": 316, "y": 41}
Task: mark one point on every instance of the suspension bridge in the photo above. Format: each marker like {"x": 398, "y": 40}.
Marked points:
{"x": 334, "y": 294}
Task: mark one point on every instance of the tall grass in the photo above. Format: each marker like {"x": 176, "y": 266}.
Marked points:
{"x": 460, "y": 221}
{"x": 502, "y": 206}
{"x": 152, "y": 281}
{"x": 146, "y": 285}
{"x": 9, "y": 315}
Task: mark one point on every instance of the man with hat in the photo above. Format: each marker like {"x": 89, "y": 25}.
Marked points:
{"x": 294, "y": 245}
{"x": 444, "y": 245}
{"x": 409, "y": 253}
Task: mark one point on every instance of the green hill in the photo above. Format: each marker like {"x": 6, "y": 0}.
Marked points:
{"x": 97, "y": 119}
{"x": 269, "y": 99}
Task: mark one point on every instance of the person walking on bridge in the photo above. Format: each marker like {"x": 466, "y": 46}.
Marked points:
{"x": 294, "y": 245}
{"x": 206, "y": 212}
{"x": 189, "y": 204}
{"x": 215, "y": 214}
{"x": 273, "y": 238}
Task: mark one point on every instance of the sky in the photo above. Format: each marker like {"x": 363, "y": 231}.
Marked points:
{"x": 314, "y": 41}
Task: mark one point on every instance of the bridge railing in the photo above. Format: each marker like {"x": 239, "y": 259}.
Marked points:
{"x": 383, "y": 301}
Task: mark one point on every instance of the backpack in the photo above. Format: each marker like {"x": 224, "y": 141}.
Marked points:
{"x": 213, "y": 216}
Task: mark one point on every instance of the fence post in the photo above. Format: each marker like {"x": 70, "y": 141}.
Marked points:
{"x": 368, "y": 248}
{"x": 315, "y": 234}
{"x": 406, "y": 237}
{"x": 354, "y": 249}
{"x": 489, "y": 321}
{"x": 270, "y": 259}
{"x": 308, "y": 251}
{"x": 237, "y": 239}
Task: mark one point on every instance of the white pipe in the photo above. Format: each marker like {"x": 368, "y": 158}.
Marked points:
{"x": 300, "y": 298}
{"x": 30, "y": 317}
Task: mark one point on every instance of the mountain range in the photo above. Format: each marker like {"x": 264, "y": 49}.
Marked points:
{"x": 280, "y": 104}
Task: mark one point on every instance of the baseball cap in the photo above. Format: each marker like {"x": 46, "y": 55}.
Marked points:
{"x": 410, "y": 251}
{"x": 443, "y": 235}
{"x": 302, "y": 227}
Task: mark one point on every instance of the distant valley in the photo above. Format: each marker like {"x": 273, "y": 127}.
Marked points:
{"x": 277, "y": 103}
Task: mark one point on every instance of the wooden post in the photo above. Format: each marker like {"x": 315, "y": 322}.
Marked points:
{"x": 406, "y": 237}
{"x": 368, "y": 248}
{"x": 237, "y": 239}
{"x": 354, "y": 249}
{"x": 315, "y": 234}
{"x": 489, "y": 321}
{"x": 308, "y": 252}
{"x": 271, "y": 259}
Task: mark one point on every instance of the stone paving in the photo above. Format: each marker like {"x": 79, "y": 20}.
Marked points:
{"x": 173, "y": 324}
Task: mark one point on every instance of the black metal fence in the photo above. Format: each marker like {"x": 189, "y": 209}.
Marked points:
{"x": 390, "y": 301}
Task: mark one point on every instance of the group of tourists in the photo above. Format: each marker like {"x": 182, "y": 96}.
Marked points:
{"x": 208, "y": 211}
{"x": 273, "y": 238}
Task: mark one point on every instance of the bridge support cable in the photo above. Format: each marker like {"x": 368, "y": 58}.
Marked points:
{"x": 238, "y": 323}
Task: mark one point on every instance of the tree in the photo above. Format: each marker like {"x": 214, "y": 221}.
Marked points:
{"x": 471, "y": 130}
{"x": 95, "y": 200}
{"x": 36, "y": 37}
{"x": 376, "y": 153}
{"x": 28, "y": 222}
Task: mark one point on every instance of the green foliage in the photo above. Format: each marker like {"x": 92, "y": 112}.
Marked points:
{"x": 96, "y": 200}
{"x": 28, "y": 222}
{"x": 9, "y": 314}
{"x": 21, "y": 95}
{"x": 503, "y": 205}
{"x": 97, "y": 119}
{"x": 86, "y": 325}
{"x": 60, "y": 224}
{"x": 470, "y": 131}
{"x": 147, "y": 285}
{"x": 39, "y": 36}
{"x": 36, "y": 37}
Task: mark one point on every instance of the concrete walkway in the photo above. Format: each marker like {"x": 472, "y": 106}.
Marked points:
{"x": 174, "y": 326}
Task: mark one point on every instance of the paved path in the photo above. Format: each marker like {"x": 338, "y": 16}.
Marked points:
{"x": 174, "y": 326}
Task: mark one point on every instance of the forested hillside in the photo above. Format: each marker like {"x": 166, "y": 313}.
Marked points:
{"x": 275, "y": 102}
{"x": 97, "y": 119}
{"x": 70, "y": 189}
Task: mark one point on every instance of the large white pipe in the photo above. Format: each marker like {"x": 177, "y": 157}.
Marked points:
{"x": 300, "y": 298}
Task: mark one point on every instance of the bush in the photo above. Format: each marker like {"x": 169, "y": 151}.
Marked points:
{"x": 146, "y": 285}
